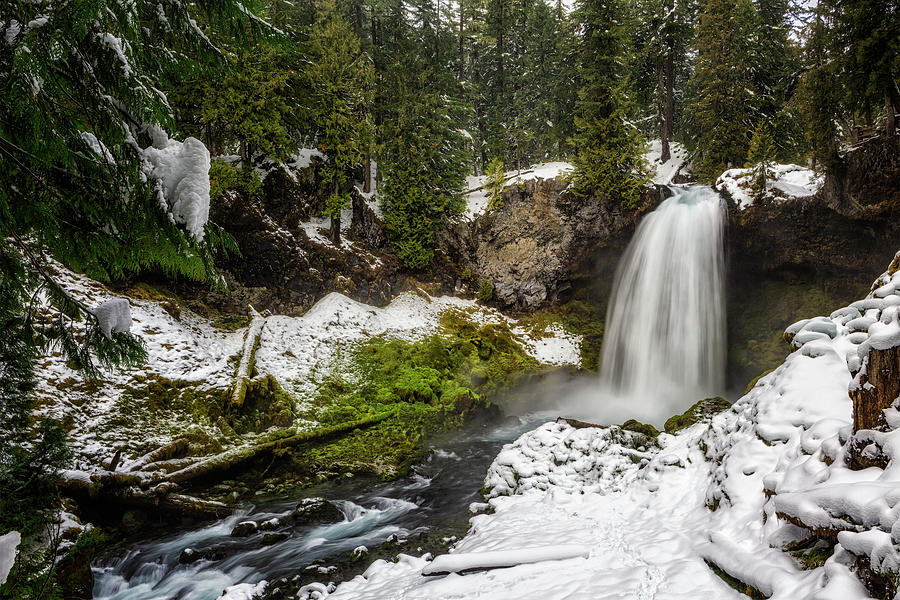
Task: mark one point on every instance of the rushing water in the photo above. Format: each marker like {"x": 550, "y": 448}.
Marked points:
{"x": 436, "y": 493}
{"x": 665, "y": 326}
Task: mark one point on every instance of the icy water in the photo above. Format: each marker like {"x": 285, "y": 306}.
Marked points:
{"x": 437, "y": 492}
{"x": 665, "y": 325}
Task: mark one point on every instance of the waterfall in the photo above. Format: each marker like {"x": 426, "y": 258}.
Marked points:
{"x": 665, "y": 325}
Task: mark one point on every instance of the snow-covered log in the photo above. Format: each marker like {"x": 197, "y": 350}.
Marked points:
{"x": 498, "y": 559}
{"x": 248, "y": 355}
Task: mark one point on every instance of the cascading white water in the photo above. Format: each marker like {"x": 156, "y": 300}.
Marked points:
{"x": 665, "y": 326}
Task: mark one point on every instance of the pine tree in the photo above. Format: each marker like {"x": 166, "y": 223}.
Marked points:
{"x": 760, "y": 157}
{"x": 340, "y": 75}
{"x": 494, "y": 185}
{"x": 608, "y": 148}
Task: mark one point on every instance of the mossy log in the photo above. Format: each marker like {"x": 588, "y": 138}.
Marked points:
{"x": 126, "y": 491}
{"x": 168, "y": 451}
{"x": 248, "y": 357}
{"x": 878, "y": 387}
{"x": 236, "y": 457}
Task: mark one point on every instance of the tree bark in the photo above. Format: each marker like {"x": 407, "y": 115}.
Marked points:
{"x": 367, "y": 181}
{"x": 883, "y": 378}
{"x": 248, "y": 356}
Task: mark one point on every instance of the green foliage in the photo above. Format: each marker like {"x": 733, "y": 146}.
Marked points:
{"x": 434, "y": 385}
{"x": 608, "y": 156}
{"x": 224, "y": 177}
{"x": 340, "y": 77}
{"x": 638, "y": 427}
{"x": 760, "y": 158}
{"x": 485, "y": 290}
{"x": 586, "y": 319}
{"x": 424, "y": 169}
{"x": 494, "y": 184}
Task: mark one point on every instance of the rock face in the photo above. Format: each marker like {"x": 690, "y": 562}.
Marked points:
{"x": 533, "y": 247}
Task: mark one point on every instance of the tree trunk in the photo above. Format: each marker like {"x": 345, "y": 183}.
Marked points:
{"x": 248, "y": 357}
{"x": 889, "y": 124}
{"x": 336, "y": 222}
{"x": 869, "y": 401}
{"x": 367, "y": 181}
{"x": 669, "y": 112}
{"x": 462, "y": 52}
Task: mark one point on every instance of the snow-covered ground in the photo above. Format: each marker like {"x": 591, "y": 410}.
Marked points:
{"x": 648, "y": 521}
{"x": 784, "y": 181}
{"x": 662, "y": 173}
{"x": 477, "y": 201}
{"x": 189, "y": 350}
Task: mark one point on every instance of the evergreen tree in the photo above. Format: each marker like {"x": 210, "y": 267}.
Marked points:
{"x": 494, "y": 185}
{"x": 760, "y": 157}
{"x": 722, "y": 110}
{"x": 81, "y": 102}
{"x": 608, "y": 148}
{"x": 424, "y": 165}
{"x": 340, "y": 75}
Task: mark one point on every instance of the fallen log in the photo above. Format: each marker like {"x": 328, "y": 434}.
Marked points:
{"x": 236, "y": 457}
{"x": 481, "y": 187}
{"x": 168, "y": 451}
{"x": 579, "y": 424}
{"x": 248, "y": 356}
{"x": 127, "y": 491}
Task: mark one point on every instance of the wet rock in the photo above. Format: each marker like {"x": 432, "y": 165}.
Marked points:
{"x": 244, "y": 529}
{"x": 188, "y": 556}
{"x": 270, "y": 525}
{"x": 701, "y": 411}
{"x": 274, "y": 537}
{"x": 317, "y": 510}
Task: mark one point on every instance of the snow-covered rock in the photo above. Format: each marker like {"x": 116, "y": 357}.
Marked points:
{"x": 477, "y": 201}
{"x": 243, "y": 591}
{"x": 732, "y": 493}
{"x": 783, "y": 181}
{"x": 663, "y": 173}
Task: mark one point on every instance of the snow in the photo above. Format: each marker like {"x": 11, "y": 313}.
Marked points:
{"x": 299, "y": 351}
{"x": 459, "y": 562}
{"x": 651, "y": 517}
{"x": 243, "y": 591}
{"x": 115, "y": 44}
{"x": 663, "y": 173}
{"x": 97, "y": 147}
{"x": 783, "y": 181}
{"x": 477, "y": 201}
{"x": 113, "y": 316}
{"x": 182, "y": 170}
{"x": 9, "y": 544}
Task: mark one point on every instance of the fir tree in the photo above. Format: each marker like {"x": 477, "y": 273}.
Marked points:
{"x": 340, "y": 75}
{"x": 760, "y": 157}
{"x": 494, "y": 184}
{"x": 608, "y": 148}
{"x": 721, "y": 111}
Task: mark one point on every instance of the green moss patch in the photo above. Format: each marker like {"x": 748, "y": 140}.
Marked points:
{"x": 701, "y": 411}
{"x": 577, "y": 317}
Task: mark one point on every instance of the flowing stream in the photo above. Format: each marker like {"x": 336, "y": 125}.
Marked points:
{"x": 665, "y": 325}
{"x": 436, "y": 493}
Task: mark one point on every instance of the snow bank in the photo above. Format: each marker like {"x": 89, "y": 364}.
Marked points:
{"x": 9, "y": 545}
{"x": 662, "y": 173}
{"x": 113, "y": 316}
{"x": 243, "y": 591}
{"x": 182, "y": 170}
{"x": 727, "y": 493}
{"x": 784, "y": 181}
{"x": 477, "y": 201}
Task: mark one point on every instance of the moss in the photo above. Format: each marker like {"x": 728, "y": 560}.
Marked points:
{"x": 586, "y": 319}
{"x": 815, "y": 557}
{"x": 637, "y": 426}
{"x": 265, "y": 404}
{"x": 700, "y": 411}
{"x": 434, "y": 385}
{"x": 735, "y": 583}
{"x": 229, "y": 322}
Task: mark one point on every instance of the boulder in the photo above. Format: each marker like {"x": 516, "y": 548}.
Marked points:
{"x": 316, "y": 510}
